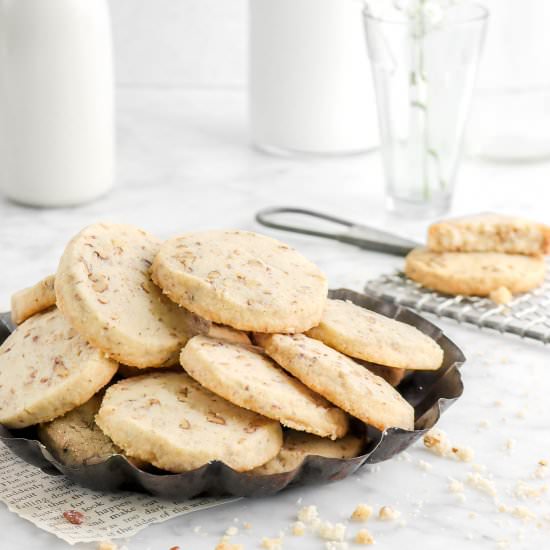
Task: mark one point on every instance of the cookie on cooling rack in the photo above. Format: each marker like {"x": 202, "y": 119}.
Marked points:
{"x": 247, "y": 377}
{"x": 298, "y": 445}
{"x": 490, "y": 233}
{"x": 46, "y": 370}
{"x": 474, "y": 273}
{"x": 339, "y": 379}
{"x": 170, "y": 421}
{"x": 366, "y": 335}
{"x": 34, "y": 299}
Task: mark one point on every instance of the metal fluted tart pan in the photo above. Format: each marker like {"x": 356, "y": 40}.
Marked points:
{"x": 430, "y": 393}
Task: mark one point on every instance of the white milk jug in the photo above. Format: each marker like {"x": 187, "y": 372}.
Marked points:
{"x": 310, "y": 87}
{"x": 56, "y": 101}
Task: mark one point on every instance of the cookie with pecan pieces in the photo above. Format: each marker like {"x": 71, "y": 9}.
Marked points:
{"x": 247, "y": 377}
{"x": 104, "y": 288}
{"x": 46, "y": 370}
{"x": 170, "y": 421}
{"x": 297, "y": 446}
{"x": 242, "y": 279}
{"x": 34, "y": 299}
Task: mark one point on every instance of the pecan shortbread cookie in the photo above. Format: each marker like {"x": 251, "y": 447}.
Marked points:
{"x": 298, "y": 445}
{"x": 242, "y": 279}
{"x": 474, "y": 273}
{"x": 75, "y": 439}
{"x": 490, "y": 233}
{"x": 34, "y": 299}
{"x": 367, "y": 335}
{"x": 104, "y": 289}
{"x": 340, "y": 380}
{"x": 245, "y": 376}
{"x": 170, "y": 421}
{"x": 46, "y": 370}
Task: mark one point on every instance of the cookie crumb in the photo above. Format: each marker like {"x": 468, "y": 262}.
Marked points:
{"x": 328, "y": 531}
{"x": 231, "y": 531}
{"x": 298, "y": 528}
{"x": 362, "y": 512}
{"x": 481, "y": 483}
{"x": 464, "y": 454}
{"x": 247, "y": 525}
{"x": 272, "y": 544}
{"x": 224, "y": 545}
{"x": 501, "y": 296}
{"x": 107, "y": 545}
{"x": 522, "y": 512}
{"x": 437, "y": 442}
{"x": 510, "y": 444}
{"x": 364, "y": 537}
{"x": 426, "y": 466}
{"x": 308, "y": 513}
{"x": 387, "y": 513}
{"x": 331, "y": 545}
{"x": 455, "y": 486}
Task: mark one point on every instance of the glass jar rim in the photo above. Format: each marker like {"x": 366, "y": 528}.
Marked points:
{"x": 478, "y": 13}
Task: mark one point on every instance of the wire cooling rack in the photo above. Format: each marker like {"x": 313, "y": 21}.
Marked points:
{"x": 527, "y": 315}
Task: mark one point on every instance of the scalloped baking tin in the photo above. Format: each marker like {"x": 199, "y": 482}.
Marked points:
{"x": 430, "y": 393}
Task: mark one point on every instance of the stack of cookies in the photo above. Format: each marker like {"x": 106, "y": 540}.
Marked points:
{"x": 217, "y": 345}
{"x": 483, "y": 255}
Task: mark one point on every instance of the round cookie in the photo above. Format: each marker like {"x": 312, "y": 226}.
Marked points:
{"x": 242, "y": 279}
{"x": 340, "y": 379}
{"x": 29, "y": 301}
{"x": 103, "y": 287}
{"x": 245, "y": 376}
{"x": 298, "y": 445}
{"x": 474, "y": 273}
{"x": 75, "y": 439}
{"x": 46, "y": 370}
{"x": 170, "y": 421}
{"x": 372, "y": 337}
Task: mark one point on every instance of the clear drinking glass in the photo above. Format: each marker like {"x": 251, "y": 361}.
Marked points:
{"x": 424, "y": 67}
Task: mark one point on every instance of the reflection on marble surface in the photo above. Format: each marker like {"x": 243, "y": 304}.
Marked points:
{"x": 184, "y": 164}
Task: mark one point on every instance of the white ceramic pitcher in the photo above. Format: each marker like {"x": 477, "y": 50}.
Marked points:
{"x": 56, "y": 101}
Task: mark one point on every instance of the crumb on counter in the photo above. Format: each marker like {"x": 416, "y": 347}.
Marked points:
{"x": 247, "y": 525}
{"x": 298, "y": 528}
{"x": 501, "y": 296}
{"x": 464, "y": 454}
{"x": 231, "y": 531}
{"x": 387, "y": 513}
{"x": 364, "y": 537}
{"x": 107, "y": 545}
{"x": 308, "y": 514}
{"x": 455, "y": 486}
{"x": 510, "y": 444}
{"x": 482, "y": 484}
{"x": 362, "y": 512}
{"x": 426, "y": 466}
{"x": 272, "y": 544}
{"x": 225, "y": 545}
{"x": 436, "y": 440}
{"x": 329, "y": 531}
{"x": 522, "y": 512}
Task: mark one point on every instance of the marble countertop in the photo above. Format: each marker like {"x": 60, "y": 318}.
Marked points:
{"x": 184, "y": 163}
